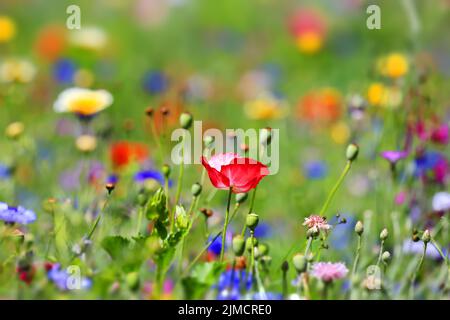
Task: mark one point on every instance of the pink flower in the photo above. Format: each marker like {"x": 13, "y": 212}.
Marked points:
{"x": 328, "y": 271}
{"x": 229, "y": 170}
{"x": 394, "y": 156}
{"x": 440, "y": 135}
{"x": 316, "y": 223}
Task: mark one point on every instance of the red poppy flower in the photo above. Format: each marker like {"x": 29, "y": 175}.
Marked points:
{"x": 229, "y": 170}
{"x": 124, "y": 152}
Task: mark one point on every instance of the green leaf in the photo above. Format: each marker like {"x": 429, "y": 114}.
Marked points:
{"x": 157, "y": 208}
{"x": 202, "y": 277}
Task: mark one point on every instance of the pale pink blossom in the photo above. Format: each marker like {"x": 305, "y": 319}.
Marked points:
{"x": 316, "y": 223}
{"x": 328, "y": 271}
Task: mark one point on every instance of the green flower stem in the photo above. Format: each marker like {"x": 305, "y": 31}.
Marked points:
{"x": 416, "y": 272}
{"x": 285, "y": 284}
{"x": 210, "y": 242}
{"x": 335, "y": 188}
{"x": 180, "y": 175}
{"x": 358, "y": 253}
{"x": 157, "y": 139}
{"x": 380, "y": 253}
{"x": 140, "y": 217}
{"x": 447, "y": 263}
{"x": 225, "y": 225}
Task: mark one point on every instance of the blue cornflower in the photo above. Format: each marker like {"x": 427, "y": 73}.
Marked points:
{"x": 231, "y": 288}
{"x": 267, "y": 296}
{"x": 112, "y": 179}
{"x": 16, "y": 214}
{"x": 64, "y": 71}
{"x": 62, "y": 279}
{"x": 155, "y": 82}
{"x": 263, "y": 230}
{"x": 216, "y": 246}
{"x": 315, "y": 170}
{"x": 5, "y": 172}
{"x": 143, "y": 175}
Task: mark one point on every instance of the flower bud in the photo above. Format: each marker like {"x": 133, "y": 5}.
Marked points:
{"x": 208, "y": 141}
{"x": 426, "y": 237}
{"x": 265, "y": 136}
{"x": 132, "y": 280}
{"x": 310, "y": 257}
{"x": 299, "y": 262}
{"x": 359, "y": 228}
{"x": 241, "y": 197}
{"x": 196, "y": 189}
{"x": 415, "y": 238}
{"x": 110, "y": 187}
{"x": 312, "y": 233}
{"x": 166, "y": 170}
{"x": 263, "y": 249}
{"x": 186, "y": 120}
{"x": 149, "y": 112}
{"x": 285, "y": 266}
{"x": 238, "y": 245}
{"x": 86, "y": 143}
{"x": 206, "y": 212}
{"x": 252, "y": 221}
{"x": 384, "y": 234}
{"x": 386, "y": 256}
{"x": 352, "y": 152}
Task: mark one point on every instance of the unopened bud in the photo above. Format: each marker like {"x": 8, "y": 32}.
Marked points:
{"x": 238, "y": 245}
{"x": 384, "y": 234}
{"x": 359, "y": 228}
{"x": 352, "y": 152}
{"x": 196, "y": 189}
{"x": 208, "y": 141}
{"x": 300, "y": 262}
{"x": 186, "y": 120}
{"x": 166, "y": 170}
{"x": 252, "y": 221}
{"x": 263, "y": 249}
{"x": 241, "y": 197}
{"x": 386, "y": 256}
{"x": 285, "y": 266}
{"x": 132, "y": 280}
{"x": 110, "y": 187}
{"x": 249, "y": 243}
{"x": 426, "y": 237}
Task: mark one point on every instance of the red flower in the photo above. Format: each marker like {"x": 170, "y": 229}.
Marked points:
{"x": 124, "y": 152}
{"x": 229, "y": 170}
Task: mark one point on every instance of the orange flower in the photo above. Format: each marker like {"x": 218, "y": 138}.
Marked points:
{"x": 323, "y": 105}
{"x": 124, "y": 152}
{"x": 50, "y": 43}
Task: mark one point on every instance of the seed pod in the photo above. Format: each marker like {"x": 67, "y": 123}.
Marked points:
{"x": 384, "y": 234}
{"x": 386, "y": 256}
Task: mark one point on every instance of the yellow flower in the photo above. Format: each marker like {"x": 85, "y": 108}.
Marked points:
{"x": 82, "y": 101}
{"x": 7, "y": 29}
{"x": 309, "y": 42}
{"x": 340, "y": 133}
{"x": 17, "y": 70}
{"x": 14, "y": 130}
{"x": 381, "y": 95}
{"x": 86, "y": 143}
{"x": 89, "y": 38}
{"x": 265, "y": 107}
{"x": 394, "y": 65}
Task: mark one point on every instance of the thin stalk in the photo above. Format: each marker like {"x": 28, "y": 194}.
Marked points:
{"x": 380, "y": 253}
{"x": 335, "y": 188}
{"x": 250, "y": 209}
{"x": 358, "y": 253}
{"x": 419, "y": 266}
{"x": 225, "y": 225}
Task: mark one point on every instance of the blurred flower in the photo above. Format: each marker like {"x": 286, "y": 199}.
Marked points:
{"x": 7, "y": 29}
{"x": 144, "y": 175}
{"x": 315, "y": 170}
{"x": 232, "y": 285}
{"x": 17, "y": 70}
{"x": 328, "y": 271}
{"x": 440, "y": 134}
{"x": 384, "y": 96}
{"x": 316, "y": 223}
{"x": 83, "y": 102}
{"x": 267, "y": 296}
{"x": 64, "y": 71}
{"x": 26, "y": 273}
{"x": 124, "y": 152}
{"x": 155, "y": 82}
{"x": 400, "y": 198}
{"x": 89, "y": 38}
{"x": 309, "y": 29}
{"x": 50, "y": 42}
{"x": 432, "y": 166}
{"x": 441, "y": 201}
{"x": 18, "y": 214}
{"x": 5, "y": 171}
{"x": 323, "y": 105}
{"x": 394, "y": 156}
{"x": 340, "y": 132}
{"x": 394, "y": 65}
{"x": 14, "y": 130}
{"x": 265, "y": 107}
{"x": 356, "y": 106}
{"x": 62, "y": 279}
{"x": 229, "y": 170}
{"x": 86, "y": 143}
{"x": 83, "y": 78}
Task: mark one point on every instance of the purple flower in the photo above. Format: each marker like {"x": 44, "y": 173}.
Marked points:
{"x": 412, "y": 247}
{"x": 155, "y": 82}
{"x": 441, "y": 201}
{"x": 64, "y": 71}
{"x": 5, "y": 172}
{"x": 315, "y": 170}
{"x": 18, "y": 214}
{"x": 62, "y": 279}
{"x": 394, "y": 156}
{"x": 328, "y": 271}
{"x": 143, "y": 175}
